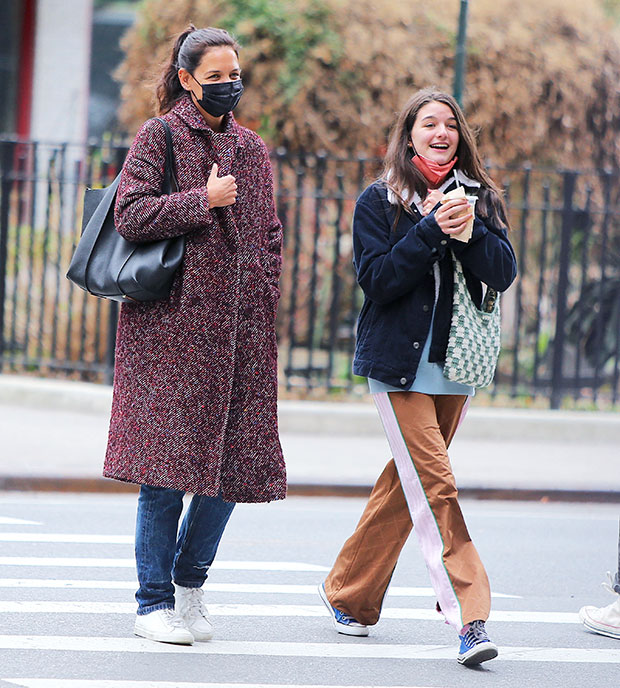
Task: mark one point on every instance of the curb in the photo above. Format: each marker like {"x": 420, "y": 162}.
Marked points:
{"x": 342, "y": 419}
{"x": 107, "y": 486}
{"x": 306, "y": 419}
{"x": 494, "y": 424}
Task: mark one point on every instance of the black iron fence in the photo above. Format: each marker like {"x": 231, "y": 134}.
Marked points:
{"x": 561, "y": 319}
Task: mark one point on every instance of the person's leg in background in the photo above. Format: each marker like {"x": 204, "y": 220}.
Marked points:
{"x": 605, "y": 620}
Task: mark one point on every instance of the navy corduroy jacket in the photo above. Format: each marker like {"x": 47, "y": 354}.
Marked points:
{"x": 394, "y": 268}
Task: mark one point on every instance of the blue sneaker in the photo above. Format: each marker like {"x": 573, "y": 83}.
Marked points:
{"x": 475, "y": 645}
{"x": 343, "y": 623}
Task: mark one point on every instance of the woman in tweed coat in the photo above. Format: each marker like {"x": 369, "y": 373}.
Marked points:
{"x": 195, "y": 385}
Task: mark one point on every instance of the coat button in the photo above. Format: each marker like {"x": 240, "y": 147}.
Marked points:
{"x": 425, "y": 308}
{"x": 403, "y": 380}
{"x": 247, "y": 312}
{"x": 443, "y": 242}
{"x": 416, "y": 345}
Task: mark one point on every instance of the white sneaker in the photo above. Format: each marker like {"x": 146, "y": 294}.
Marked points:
{"x": 164, "y": 626}
{"x": 603, "y": 620}
{"x": 190, "y": 607}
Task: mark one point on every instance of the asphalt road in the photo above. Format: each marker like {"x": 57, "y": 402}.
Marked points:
{"x": 67, "y": 584}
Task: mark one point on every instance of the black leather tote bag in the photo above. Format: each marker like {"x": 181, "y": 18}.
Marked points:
{"x": 108, "y": 266}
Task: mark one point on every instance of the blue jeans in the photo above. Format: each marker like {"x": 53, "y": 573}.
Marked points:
{"x": 162, "y": 556}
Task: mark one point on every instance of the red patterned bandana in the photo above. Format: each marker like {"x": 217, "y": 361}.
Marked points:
{"x": 434, "y": 172}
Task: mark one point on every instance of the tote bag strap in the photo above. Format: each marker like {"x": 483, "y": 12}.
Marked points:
{"x": 170, "y": 179}
{"x": 491, "y": 295}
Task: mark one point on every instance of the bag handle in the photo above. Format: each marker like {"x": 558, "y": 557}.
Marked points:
{"x": 170, "y": 179}
{"x": 491, "y": 295}
{"x": 488, "y": 303}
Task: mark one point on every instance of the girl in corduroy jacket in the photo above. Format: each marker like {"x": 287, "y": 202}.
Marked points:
{"x": 195, "y": 385}
{"x": 404, "y": 238}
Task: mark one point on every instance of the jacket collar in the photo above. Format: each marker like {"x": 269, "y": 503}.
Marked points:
{"x": 185, "y": 109}
{"x": 463, "y": 179}
{"x": 449, "y": 182}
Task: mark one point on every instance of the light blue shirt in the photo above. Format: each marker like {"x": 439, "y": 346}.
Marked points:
{"x": 429, "y": 377}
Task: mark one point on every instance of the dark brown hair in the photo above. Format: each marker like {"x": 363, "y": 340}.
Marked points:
{"x": 404, "y": 179}
{"x": 188, "y": 49}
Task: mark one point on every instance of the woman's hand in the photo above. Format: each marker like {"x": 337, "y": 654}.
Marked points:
{"x": 432, "y": 199}
{"x": 453, "y": 215}
{"x": 222, "y": 190}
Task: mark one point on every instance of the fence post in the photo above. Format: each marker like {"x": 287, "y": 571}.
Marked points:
{"x": 564, "y": 266}
{"x": 319, "y": 172}
{"x": 523, "y": 246}
{"x": 5, "y": 189}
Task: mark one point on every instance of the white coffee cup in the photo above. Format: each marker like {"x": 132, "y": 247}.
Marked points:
{"x": 465, "y": 235}
{"x": 472, "y": 202}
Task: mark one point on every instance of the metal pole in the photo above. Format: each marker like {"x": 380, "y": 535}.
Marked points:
{"x": 459, "y": 58}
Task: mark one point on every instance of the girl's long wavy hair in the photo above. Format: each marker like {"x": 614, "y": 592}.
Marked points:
{"x": 188, "y": 49}
{"x": 403, "y": 178}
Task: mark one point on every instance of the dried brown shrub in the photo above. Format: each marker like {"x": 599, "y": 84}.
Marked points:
{"x": 543, "y": 78}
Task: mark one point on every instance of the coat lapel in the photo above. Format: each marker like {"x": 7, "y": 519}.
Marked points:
{"x": 224, "y": 146}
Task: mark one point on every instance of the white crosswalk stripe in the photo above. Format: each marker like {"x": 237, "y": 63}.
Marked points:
{"x": 80, "y": 683}
{"x": 250, "y": 588}
{"x": 64, "y": 683}
{"x": 95, "y": 562}
{"x": 73, "y": 538}
{"x": 39, "y": 609}
{"x": 300, "y": 649}
{"x": 281, "y": 610}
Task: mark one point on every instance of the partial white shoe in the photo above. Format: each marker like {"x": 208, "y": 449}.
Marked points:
{"x": 343, "y": 623}
{"x": 603, "y": 620}
{"x": 192, "y": 610}
{"x": 164, "y": 626}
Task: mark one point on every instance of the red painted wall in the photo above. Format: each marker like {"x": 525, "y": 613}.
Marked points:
{"x": 26, "y": 69}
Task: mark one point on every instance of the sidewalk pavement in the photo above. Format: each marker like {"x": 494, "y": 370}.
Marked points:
{"x": 54, "y": 436}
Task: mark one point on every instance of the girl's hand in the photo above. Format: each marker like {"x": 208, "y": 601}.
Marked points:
{"x": 453, "y": 215}
{"x": 432, "y": 199}
{"x": 222, "y": 190}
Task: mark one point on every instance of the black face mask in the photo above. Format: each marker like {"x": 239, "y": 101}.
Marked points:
{"x": 218, "y": 99}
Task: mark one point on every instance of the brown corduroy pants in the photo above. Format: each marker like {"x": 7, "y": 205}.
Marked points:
{"x": 416, "y": 487}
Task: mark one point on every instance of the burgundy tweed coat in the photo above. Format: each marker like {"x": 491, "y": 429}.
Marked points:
{"x": 195, "y": 383}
